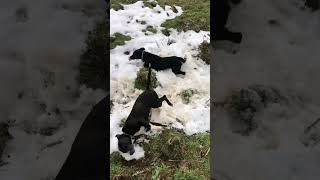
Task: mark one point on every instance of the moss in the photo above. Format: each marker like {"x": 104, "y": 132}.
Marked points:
{"x": 142, "y": 79}
{"x": 5, "y": 136}
{"x": 187, "y": 94}
{"x": 121, "y": 124}
{"x": 151, "y": 29}
{"x": 243, "y": 105}
{"x": 169, "y": 155}
{"x": 195, "y": 16}
{"x": 166, "y": 32}
{"x": 150, "y": 5}
{"x": 204, "y": 53}
{"x": 94, "y": 62}
{"x": 118, "y": 39}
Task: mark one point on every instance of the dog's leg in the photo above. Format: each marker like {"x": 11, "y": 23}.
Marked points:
{"x": 145, "y": 124}
{"x": 160, "y": 100}
{"x": 167, "y": 100}
{"x": 181, "y": 72}
{"x": 176, "y": 70}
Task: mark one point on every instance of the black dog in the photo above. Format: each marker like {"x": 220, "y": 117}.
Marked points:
{"x": 220, "y": 11}
{"x": 87, "y": 158}
{"x": 139, "y": 116}
{"x": 159, "y": 63}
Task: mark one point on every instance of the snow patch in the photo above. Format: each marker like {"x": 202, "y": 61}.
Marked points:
{"x": 193, "y": 117}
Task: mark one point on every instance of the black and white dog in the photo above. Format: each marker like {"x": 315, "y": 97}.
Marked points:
{"x": 139, "y": 116}
{"x": 220, "y": 10}
{"x": 159, "y": 63}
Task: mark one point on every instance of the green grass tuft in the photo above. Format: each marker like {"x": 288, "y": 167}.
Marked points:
{"x": 121, "y": 124}
{"x": 166, "y": 32}
{"x": 142, "y": 79}
{"x": 150, "y": 5}
{"x": 94, "y": 59}
{"x": 204, "y": 53}
{"x": 187, "y": 94}
{"x": 118, "y": 39}
{"x": 151, "y": 29}
{"x": 117, "y": 4}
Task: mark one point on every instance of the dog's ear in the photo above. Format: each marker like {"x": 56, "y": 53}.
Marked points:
{"x": 117, "y": 136}
{"x": 143, "y": 49}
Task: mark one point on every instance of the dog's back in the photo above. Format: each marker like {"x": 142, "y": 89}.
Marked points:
{"x": 162, "y": 63}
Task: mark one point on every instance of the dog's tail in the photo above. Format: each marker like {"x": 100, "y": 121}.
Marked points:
{"x": 157, "y": 124}
{"x": 149, "y": 78}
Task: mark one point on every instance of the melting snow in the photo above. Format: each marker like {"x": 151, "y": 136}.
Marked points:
{"x": 285, "y": 56}
{"x": 195, "y": 115}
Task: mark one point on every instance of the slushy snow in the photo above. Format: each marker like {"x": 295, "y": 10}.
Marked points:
{"x": 41, "y": 42}
{"x": 193, "y": 117}
{"x": 284, "y": 56}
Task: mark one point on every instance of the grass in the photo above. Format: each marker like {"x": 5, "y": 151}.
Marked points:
{"x": 187, "y": 94}
{"x": 94, "y": 62}
{"x": 118, "y": 39}
{"x": 117, "y": 4}
{"x": 168, "y": 155}
{"x": 121, "y": 124}
{"x": 171, "y": 154}
{"x": 195, "y": 16}
{"x": 4, "y": 137}
{"x": 142, "y": 79}
{"x": 166, "y": 32}
{"x": 204, "y": 52}
{"x": 244, "y": 104}
{"x": 150, "y": 29}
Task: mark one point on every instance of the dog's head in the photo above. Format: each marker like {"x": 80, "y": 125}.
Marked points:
{"x": 137, "y": 54}
{"x": 125, "y": 144}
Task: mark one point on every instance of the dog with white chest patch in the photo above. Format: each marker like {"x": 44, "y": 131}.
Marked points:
{"x": 139, "y": 116}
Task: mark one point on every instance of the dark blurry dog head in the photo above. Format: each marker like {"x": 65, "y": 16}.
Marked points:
{"x": 125, "y": 144}
{"x": 137, "y": 54}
